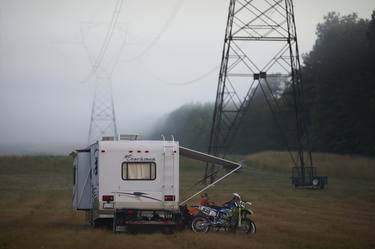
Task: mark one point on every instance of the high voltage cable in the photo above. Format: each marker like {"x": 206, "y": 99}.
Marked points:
{"x": 109, "y": 72}
{"x": 97, "y": 63}
{"x": 86, "y": 48}
{"x": 187, "y": 82}
{"x": 107, "y": 39}
{"x": 109, "y": 34}
{"x": 165, "y": 27}
{"x": 117, "y": 58}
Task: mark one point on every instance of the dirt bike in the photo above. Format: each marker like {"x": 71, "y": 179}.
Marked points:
{"x": 234, "y": 216}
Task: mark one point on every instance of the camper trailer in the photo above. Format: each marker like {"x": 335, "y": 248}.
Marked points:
{"x": 132, "y": 182}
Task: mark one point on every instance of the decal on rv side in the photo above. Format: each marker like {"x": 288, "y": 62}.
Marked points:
{"x": 138, "y": 195}
{"x": 131, "y": 158}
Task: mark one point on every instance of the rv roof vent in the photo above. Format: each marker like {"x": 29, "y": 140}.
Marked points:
{"x": 108, "y": 138}
{"x": 130, "y": 137}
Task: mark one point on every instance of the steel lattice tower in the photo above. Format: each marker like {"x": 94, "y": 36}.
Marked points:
{"x": 260, "y": 43}
{"x": 103, "y": 120}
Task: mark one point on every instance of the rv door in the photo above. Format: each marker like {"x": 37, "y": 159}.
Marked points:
{"x": 82, "y": 181}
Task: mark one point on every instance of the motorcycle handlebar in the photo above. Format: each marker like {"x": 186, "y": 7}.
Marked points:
{"x": 244, "y": 203}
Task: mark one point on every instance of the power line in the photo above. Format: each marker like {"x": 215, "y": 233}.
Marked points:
{"x": 107, "y": 39}
{"x": 159, "y": 35}
{"x": 86, "y": 48}
{"x": 108, "y": 73}
{"x": 187, "y": 82}
{"x": 109, "y": 34}
{"x": 117, "y": 57}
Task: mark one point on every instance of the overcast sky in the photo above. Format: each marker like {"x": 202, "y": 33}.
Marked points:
{"x": 46, "y": 49}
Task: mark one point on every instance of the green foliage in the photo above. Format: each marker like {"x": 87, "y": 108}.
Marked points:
{"x": 190, "y": 125}
{"x": 259, "y": 130}
{"x": 371, "y": 33}
{"x": 339, "y": 83}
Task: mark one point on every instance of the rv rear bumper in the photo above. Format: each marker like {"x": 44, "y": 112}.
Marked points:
{"x": 109, "y": 213}
{"x": 146, "y": 217}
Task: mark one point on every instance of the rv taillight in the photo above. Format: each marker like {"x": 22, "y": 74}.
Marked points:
{"x": 107, "y": 198}
{"x": 130, "y": 212}
{"x": 169, "y": 198}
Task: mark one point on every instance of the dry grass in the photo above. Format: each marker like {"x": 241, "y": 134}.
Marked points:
{"x": 344, "y": 166}
{"x": 38, "y": 215}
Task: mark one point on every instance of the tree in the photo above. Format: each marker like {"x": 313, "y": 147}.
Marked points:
{"x": 339, "y": 84}
{"x": 189, "y": 124}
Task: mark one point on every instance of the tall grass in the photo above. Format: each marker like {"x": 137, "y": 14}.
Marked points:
{"x": 333, "y": 165}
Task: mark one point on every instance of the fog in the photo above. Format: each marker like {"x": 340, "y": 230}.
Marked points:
{"x": 162, "y": 54}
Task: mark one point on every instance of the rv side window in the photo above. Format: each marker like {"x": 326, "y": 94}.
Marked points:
{"x": 138, "y": 171}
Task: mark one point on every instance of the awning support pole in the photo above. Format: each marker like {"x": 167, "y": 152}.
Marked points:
{"x": 211, "y": 185}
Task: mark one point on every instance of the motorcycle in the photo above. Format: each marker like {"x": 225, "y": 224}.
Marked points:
{"x": 233, "y": 216}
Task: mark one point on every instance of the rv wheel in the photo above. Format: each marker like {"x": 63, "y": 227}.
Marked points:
{"x": 316, "y": 183}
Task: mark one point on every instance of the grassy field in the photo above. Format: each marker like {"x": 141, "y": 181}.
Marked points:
{"x": 35, "y": 204}
{"x": 342, "y": 166}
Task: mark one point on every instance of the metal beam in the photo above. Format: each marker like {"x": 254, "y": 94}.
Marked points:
{"x": 200, "y": 156}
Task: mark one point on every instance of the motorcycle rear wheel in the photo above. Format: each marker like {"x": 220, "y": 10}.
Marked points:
{"x": 200, "y": 224}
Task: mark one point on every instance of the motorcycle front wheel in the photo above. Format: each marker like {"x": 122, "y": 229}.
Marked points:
{"x": 200, "y": 224}
{"x": 247, "y": 226}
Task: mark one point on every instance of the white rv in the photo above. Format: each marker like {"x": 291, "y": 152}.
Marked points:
{"x": 132, "y": 181}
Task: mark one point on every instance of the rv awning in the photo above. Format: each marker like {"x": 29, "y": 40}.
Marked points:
{"x": 193, "y": 154}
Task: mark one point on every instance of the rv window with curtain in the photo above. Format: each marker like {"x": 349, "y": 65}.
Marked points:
{"x": 138, "y": 171}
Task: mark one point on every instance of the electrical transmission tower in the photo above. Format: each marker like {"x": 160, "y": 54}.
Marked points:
{"x": 103, "y": 119}
{"x": 260, "y": 46}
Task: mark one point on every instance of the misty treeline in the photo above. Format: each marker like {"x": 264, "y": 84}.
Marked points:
{"x": 339, "y": 88}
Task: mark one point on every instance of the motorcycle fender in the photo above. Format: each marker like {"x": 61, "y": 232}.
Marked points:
{"x": 246, "y": 211}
